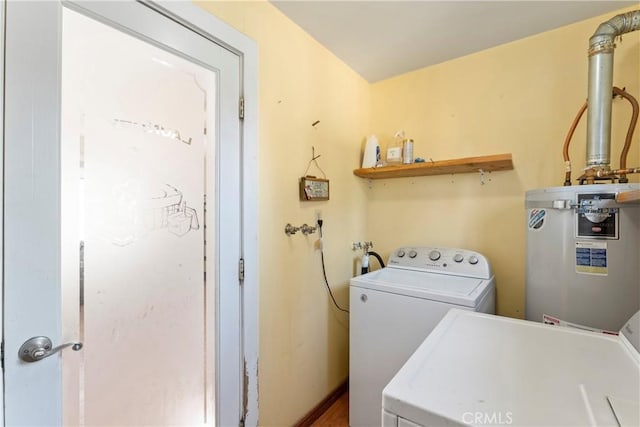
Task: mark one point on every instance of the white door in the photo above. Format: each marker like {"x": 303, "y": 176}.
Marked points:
{"x": 122, "y": 218}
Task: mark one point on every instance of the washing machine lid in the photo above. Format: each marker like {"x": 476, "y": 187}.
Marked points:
{"x": 480, "y": 369}
{"x": 464, "y": 291}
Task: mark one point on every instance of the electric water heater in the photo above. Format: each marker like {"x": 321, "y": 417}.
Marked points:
{"x": 583, "y": 255}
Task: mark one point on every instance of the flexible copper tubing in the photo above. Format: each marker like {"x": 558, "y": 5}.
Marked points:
{"x": 627, "y": 141}
{"x": 567, "y": 141}
{"x": 632, "y": 126}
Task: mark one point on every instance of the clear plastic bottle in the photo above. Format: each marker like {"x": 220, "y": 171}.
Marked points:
{"x": 407, "y": 152}
{"x": 394, "y": 149}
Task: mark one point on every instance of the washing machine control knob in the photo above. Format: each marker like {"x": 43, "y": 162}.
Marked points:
{"x": 458, "y": 258}
{"x": 400, "y": 253}
{"x": 413, "y": 254}
{"x": 434, "y": 255}
{"x": 473, "y": 260}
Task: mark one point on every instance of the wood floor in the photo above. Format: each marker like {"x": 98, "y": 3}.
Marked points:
{"x": 337, "y": 415}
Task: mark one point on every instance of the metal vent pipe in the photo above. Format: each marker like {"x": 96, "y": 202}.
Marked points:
{"x": 601, "y": 46}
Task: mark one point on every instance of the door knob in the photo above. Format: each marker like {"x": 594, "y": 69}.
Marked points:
{"x": 37, "y": 348}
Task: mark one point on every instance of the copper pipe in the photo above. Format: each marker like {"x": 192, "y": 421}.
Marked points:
{"x": 567, "y": 141}
{"x": 627, "y": 143}
{"x": 600, "y": 173}
{"x": 632, "y": 127}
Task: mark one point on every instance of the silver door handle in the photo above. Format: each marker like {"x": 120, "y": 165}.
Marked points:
{"x": 37, "y": 348}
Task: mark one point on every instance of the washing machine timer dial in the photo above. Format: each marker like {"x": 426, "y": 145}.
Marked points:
{"x": 473, "y": 260}
{"x": 434, "y": 255}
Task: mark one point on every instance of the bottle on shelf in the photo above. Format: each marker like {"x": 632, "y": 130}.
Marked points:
{"x": 407, "y": 152}
{"x": 394, "y": 149}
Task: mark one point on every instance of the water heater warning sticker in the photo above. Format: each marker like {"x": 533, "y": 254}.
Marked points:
{"x": 591, "y": 258}
{"x": 536, "y": 218}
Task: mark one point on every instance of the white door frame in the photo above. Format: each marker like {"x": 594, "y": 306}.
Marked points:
{"x": 213, "y": 29}
{"x": 216, "y": 30}
{"x": 2, "y": 7}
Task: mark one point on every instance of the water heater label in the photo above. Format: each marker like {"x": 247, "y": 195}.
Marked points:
{"x": 591, "y": 258}
{"x": 596, "y": 217}
{"x": 536, "y": 218}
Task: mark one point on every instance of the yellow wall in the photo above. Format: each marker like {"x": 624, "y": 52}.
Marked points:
{"x": 517, "y": 98}
{"x": 303, "y": 340}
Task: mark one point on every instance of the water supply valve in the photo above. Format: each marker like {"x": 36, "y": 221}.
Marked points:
{"x": 290, "y": 229}
{"x": 307, "y": 229}
{"x": 362, "y": 245}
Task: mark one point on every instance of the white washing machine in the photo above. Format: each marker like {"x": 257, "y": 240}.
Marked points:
{"x": 392, "y": 310}
{"x": 478, "y": 370}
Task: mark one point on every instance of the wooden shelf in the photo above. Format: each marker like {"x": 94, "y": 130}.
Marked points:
{"x": 632, "y": 196}
{"x": 497, "y": 162}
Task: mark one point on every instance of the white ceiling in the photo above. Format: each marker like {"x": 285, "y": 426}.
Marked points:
{"x": 382, "y": 39}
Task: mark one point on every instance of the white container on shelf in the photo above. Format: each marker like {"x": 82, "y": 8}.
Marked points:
{"x": 371, "y": 152}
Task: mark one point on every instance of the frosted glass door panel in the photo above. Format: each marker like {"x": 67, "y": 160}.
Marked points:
{"x": 135, "y": 150}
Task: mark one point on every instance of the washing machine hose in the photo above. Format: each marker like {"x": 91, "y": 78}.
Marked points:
{"x": 365, "y": 261}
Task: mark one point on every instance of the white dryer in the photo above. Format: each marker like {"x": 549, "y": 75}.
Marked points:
{"x": 479, "y": 370}
{"x": 392, "y": 310}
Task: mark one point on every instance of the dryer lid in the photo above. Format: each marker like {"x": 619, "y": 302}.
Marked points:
{"x": 465, "y": 291}
{"x": 474, "y": 362}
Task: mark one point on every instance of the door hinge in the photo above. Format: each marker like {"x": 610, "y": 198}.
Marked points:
{"x": 241, "y": 270}
{"x": 241, "y": 112}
